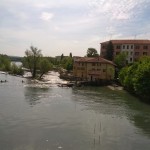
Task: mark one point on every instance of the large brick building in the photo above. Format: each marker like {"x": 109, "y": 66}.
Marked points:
{"x": 133, "y": 48}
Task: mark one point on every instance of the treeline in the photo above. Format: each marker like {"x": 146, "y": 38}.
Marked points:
{"x": 65, "y": 62}
{"x": 39, "y": 65}
{"x": 35, "y": 62}
{"x": 7, "y": 66}
{"x": 15, "y": 58}
{"x": 136, "y": 78}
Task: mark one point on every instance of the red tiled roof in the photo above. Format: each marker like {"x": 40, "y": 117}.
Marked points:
{"x": 128, "y": 41}
{"x": 94, "y": 59}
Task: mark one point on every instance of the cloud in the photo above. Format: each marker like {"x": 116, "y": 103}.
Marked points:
{"x": 75, "y": 25}
{"x": 46, "y": 16}
{"x": 116, "y": 9}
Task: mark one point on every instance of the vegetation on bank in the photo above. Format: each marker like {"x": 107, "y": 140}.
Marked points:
{"x": 7, "y": 66}
{"x": 136, "y": 78}
{"x": 39, "y": 65}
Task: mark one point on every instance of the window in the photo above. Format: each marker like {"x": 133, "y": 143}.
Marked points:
{"x": 93, "y": 64}
{"x": 103, "y": 46}
{"x": 144, "y": 53}
{"x": 130, "y": 59}
{"x": 104, "y": 70}
{"x": 145, "y": 47}
{"x": 98, "y": 64}
{"x": 127, "y": 46}
{"x": 123, "y": 46}
{"x": 137, "y": 53}
{"x": 82, "y": 64}
{"x": 137, "y": 47}
{"x": 131, "y": 46}
{"x": 118, "y": 47}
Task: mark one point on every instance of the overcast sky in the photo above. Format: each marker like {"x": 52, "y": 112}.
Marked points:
{"x": 64, "y": 26}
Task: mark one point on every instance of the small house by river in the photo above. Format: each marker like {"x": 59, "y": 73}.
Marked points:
{"x": 93, "y": 69}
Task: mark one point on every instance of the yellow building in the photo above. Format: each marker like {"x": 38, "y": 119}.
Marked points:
{"x": 93, "y": 68}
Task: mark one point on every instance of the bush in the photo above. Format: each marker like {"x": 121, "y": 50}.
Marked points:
{"x": 136, "y": 78}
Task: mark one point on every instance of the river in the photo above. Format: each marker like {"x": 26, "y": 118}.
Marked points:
{"x": 37, "y": 116}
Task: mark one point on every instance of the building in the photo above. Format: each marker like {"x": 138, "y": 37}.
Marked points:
{"x": 93, "y": 69}
{"x": 133, "y": 48}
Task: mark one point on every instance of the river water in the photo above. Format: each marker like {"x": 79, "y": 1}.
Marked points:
{"x": 38, "y": 116}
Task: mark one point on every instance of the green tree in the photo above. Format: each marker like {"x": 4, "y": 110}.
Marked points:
{"x": 69, "y": 64}
{"x": 5, "y": 63}
{"x": 142, "y": 78}
{"x": 45, "y": 66}
{"x": 136, "y": 78}
{"x": 16, "y": 70}
{"x": 70, "y": 55}
{"x": 62, "y": 56}
{"x": 32, "y": 59}
{"x": 109, "y": 51}
{"x": 120, "y": 60}
{"x": 92, "y": 52}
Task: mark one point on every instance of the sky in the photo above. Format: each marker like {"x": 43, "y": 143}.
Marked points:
{"x": 63, "y": 26}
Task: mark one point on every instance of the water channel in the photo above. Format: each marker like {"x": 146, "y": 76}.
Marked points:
{"x": 37, "y": 116}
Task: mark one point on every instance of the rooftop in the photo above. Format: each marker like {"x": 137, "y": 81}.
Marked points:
{"x": 128, "y": 41}
{"x": 93, "y": 59}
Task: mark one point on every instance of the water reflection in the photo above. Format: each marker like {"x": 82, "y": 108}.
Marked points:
{"x": 117, "y": 104}
{"x": 33, "y": 95}
{"x": 88, "y": 118}
{"x": 140, "y": 114}
{"x": 100, "y": 99}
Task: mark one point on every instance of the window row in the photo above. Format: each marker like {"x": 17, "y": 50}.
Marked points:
{"x": 128, "y": 46}
{"x": 131, "y": 47}
{"x": 93, "y": 64}
{"x": 131, "y": 53}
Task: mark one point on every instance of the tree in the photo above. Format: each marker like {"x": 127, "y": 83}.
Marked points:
{"x": 136, "y": 78}
{"x": 45, "y": 66}
{"x": 120, "y": 60}
{"x": 92, "y": 52}
{"x": 70, "y": 55}
{"x": 62, "y": 56}
{"x": 69, "y": 64}
{"x": 109, "y": 51}
{"x": 5, "y": 64}
{"x": 141, "y": 80}
{"x": 32, "y": 58}
{"x": 16, "y": 70}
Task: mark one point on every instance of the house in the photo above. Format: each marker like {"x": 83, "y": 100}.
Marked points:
{"x": 133, "y": 48}
{"x": 93, "y": 69}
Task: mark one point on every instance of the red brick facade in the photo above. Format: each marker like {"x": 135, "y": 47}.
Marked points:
{"x": 134, "y": 48}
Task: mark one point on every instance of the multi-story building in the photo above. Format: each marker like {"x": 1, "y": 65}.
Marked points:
{"x": 133, "y": 48}
{"x": 93, "y": 68}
